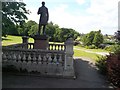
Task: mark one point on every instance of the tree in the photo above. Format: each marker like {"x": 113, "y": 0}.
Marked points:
{"x": 13, "y": 13}
{"x": 98, "y": 38}
{"x": 27, "y": 27}
{"x": 93, "y": 38}
{"x": 88, "y": 38}
{"x": 33, "y": 30}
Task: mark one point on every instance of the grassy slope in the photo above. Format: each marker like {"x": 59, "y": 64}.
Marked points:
{"x": 80, "y": 53}
{"x": 12, "y": 40}
{"x": 93, "y": 50}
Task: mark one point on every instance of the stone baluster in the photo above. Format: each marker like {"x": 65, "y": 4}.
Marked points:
{"x": 68, "y": 64}
{"x": 14, "y": 60}
{"x": 34, "y": 64}
{"x": 39, "y": 58}
{"x": 24, "y": 63}
{"x": 19, "y": 65}
{"x": 9, "y": 58}
{"x": 49, "y": 59}
{"x": 44, "y": 58}
{"x": 4, "y": 57}
{"x": 39, "y": 63}
{"x": 55, "y": 58}
{"x": 29, "y": 63}
{"x": 60, "y": 58}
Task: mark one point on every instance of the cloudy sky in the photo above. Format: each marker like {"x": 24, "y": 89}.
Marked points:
{"x": 81, "y": 15}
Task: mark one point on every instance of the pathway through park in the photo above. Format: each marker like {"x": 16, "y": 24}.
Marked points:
{"x": 86, "y": 72}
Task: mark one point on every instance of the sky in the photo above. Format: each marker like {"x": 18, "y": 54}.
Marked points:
{"x": 81, "y": 15}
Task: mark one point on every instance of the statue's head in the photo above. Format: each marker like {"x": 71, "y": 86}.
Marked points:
{"x": 43, "y": 3}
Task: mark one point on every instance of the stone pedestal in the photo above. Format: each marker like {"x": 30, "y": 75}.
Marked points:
{"x": 41, "y": 42}
{"x": 25, "y": 39}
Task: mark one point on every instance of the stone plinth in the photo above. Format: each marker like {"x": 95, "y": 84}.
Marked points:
{"x": 25, "y": 39}
{"x": 41, "y": 42}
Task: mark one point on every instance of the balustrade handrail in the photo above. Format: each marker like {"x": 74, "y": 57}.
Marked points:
{"x": 57, "y": 44}
{"x": 32, "y": 50}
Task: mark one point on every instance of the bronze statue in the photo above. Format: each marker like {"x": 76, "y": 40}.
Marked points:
{"x": 44, "y": 16}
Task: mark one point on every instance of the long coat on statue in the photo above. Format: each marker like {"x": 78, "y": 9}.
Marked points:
{"x": 44, "y": 15}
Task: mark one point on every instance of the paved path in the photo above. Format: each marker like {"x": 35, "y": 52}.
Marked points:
{"x": 87, "y": 77}
{"x": 100, "y": 53}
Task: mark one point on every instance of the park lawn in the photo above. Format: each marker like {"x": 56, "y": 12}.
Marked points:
{"x": 93, "y": 50}
{"x": 9, "y": 40}
{"x": 81, "y": 53}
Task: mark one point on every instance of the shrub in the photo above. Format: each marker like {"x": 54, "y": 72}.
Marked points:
{"x": 113, "y": 68}
{"x": 109, "y": 48}
{"x": 91, "y": 47}
{"x": 101, "y": 64}
{"x": 113, "y": 48}
{"x": 110, "y": 65}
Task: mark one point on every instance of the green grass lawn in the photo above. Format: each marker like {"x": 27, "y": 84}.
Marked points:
{"x": 77, "y": 53}
{"x": 9, "y": 40}
{"x": 93, "y": 50}
{"x": 80, "y": 53}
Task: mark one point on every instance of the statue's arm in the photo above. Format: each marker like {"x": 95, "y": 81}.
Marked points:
{"x": 47, "y": 15}
{"x": 38, "y": 11}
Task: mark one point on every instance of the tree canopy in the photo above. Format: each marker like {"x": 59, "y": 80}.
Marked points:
{"x": 54, "y": 32}
{"x": 93, "y": 38}
{"x": 13, "y": 13}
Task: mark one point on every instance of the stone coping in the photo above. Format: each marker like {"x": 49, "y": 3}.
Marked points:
{"x": 40, "y": 37}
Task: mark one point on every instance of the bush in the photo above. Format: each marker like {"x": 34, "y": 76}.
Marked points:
{"x": 113, "y": 48}
{"x": 110, "y": 65}
{"x": 91, "y": 47}
{"x": 113, "y": 68}
{"x": 101, "y": 64}
{"x": 109, "y": 48}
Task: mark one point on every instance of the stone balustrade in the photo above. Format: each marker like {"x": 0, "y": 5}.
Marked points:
{"x": 58, "y": 47}
{"x": 42, "y": 61}
{"x": 56, "y": 61}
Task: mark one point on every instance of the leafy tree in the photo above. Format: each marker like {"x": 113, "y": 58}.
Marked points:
{"x": 27, "y": 27}
{"x": 13, "y": 13}
{"x": 33, "y": 30}
{"x": 98, "y": 38}
{"x": 88, "y": 38}
{"x": 93, "y": 38}
{"x": 51, "y": 30}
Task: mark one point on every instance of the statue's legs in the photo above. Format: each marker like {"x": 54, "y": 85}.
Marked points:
{"x": 44, "y": 29}
{"x": 39, "y": 29}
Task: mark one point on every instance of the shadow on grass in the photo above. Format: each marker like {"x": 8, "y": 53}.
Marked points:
{"x": 6, "y": 39}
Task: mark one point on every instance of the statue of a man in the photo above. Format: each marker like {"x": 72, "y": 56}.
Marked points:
{"x": 44, "y": 16}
